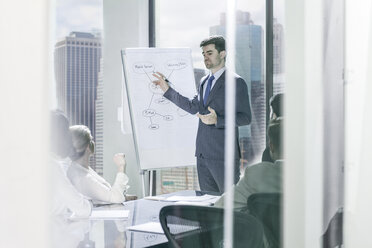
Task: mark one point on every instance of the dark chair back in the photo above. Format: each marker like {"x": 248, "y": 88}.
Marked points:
{"x": 333, "y": 236}
{"x": 199, "y": 226}
{"x": 267, "y": 208}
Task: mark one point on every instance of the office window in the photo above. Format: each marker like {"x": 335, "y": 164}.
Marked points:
{"x": 175, "y": 28}
{"x": 78, "y": 26}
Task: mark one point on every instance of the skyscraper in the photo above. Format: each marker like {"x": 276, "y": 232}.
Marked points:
{"x": 278, "y": 57}
{"x": 249, "y": 65}
{"x": 99, "y": 123}
{"x": 76, "y": 63}
{"x": 198, "y": 73}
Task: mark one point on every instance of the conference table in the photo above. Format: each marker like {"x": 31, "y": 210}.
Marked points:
{"x": 111, "y": 232}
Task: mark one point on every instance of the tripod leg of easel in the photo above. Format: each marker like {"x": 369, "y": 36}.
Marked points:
{"x": 143, "y": 183}
{"x": 151, "y": 181}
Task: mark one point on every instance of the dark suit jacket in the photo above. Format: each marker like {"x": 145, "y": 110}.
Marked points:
{"x": 210, "y": 140}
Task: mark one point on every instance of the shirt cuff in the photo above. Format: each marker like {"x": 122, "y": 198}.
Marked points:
{"x": 122, "y": 178}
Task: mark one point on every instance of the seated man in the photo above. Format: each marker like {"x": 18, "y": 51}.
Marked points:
{"x": 276, "y": 111}
{"x": 264, "y": 177}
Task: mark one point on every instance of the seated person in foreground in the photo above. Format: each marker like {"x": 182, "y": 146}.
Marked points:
{"x": 85, "y": 179}
{"x": 276, "y": 111}
{"x": 64, "y": 195}
{"x": 264, "y": 177}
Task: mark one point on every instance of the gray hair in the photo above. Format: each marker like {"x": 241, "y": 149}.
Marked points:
{"x": 81, "y": 139}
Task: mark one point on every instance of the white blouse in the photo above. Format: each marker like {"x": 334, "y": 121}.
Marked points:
{"x": 92, "y": 185}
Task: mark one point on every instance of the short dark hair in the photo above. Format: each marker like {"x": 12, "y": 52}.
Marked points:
{"x": 60, "y": 138}
{"x": 217, "y": 40}
{"x": 276, "y": 102}
{"x": 274, "y": 131}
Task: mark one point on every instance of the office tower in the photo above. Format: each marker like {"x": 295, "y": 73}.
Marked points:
{"x": 99, "y": 123}
{"x": 278, "y": 57}
{"x": 76, "y": 63}
{"x": 243, "y": 43}
{"x": 249, "y": 65}
{"x": 198, "y": 73}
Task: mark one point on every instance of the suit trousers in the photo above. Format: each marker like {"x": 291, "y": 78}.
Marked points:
{"x": 211, "y": 174}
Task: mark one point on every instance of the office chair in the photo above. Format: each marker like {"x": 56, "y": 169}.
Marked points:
{"x": 199, "y": 226}
{"x": 266, "y": 207}
{"x": 333, "y": 236}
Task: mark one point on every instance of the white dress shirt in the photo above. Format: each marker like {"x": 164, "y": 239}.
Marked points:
{"x": 92, "y": 185}
{"x": 216, "y": 75}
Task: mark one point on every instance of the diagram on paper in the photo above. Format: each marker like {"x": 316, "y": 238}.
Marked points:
{"x": 152, "y": 112}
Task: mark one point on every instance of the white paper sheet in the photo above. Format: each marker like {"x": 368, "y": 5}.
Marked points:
{"x": 156, "y": 198}
{"x": 194, "y": 203}
{"x": 164, "y": 133}
{"x": 99, "y": 214}
{"x": 204, "y": 198}
{"x": 104, "y": 214}
{"x": 155, "y": 227}
{"x": 149, "y": 227}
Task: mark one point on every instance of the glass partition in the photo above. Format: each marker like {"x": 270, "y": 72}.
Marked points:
{"x": 175, "y": 28}
{"x": 77, "y": 68}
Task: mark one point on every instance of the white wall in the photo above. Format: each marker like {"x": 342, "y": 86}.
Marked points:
{"x": 125, "y": 25}
{"x": 23, "y": 123}
{"x": 303, "y": 170}
{"x": 358, "y": 166}
{"x": 333, "y": 97}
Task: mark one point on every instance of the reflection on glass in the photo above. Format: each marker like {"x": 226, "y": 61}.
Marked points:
{"x": 66, "y": 233}
{"x": 76, "y": 62}
{"x": 77, "y": 57}
{"x": 263, "y": 177}
{"x": 249, "y": 65}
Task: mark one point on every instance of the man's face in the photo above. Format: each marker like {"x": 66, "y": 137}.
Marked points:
{"x": 212, "y": 58}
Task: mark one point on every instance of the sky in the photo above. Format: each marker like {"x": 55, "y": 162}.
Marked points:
{"x": 186, "y": 23}
{"x": 179, "y": 23}
{"x": 77, "y": 15}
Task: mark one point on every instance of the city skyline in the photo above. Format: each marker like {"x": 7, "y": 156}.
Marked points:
{"x": 249, "y": 65}
{"x": 252, "y": 71}
{"x": 87, "y": 15}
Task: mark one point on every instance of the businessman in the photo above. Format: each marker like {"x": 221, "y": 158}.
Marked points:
{"x": 209, "y": 105}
